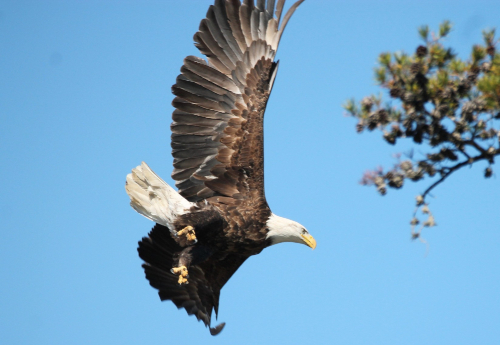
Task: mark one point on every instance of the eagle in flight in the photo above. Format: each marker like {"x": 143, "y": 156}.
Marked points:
{"x": 219, "y": 216}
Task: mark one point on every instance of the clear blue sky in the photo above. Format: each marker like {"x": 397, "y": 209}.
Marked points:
{"x": 85, "y": 97}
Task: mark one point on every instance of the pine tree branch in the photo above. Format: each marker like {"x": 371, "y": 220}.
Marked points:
{"x": 449, "y": 171}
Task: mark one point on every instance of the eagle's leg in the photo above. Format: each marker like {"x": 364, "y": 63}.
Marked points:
{"x": 207, "y": 222}
{"x": 189, "y": 233}
{"x": 189, "y": 256}
{"x": 182, "y": 272}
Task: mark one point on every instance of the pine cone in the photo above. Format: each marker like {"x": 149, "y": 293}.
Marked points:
{"x": 431, "y": 171}
{"x": 406, "y": 165}
{"x": 396, "y": 131}
{"x": 360, "y": 127}
{"x": 396, "y": 181}
{"x": 486, "y": 66}
{"x": 396, "y": 92}
{"x": 463, "y": 87}
{"x": 390, "y": 138}
{"x": 373, "y": 120}
{"x": 415, "y": 68}
{"x": 449, "y": 154}
{"x": 383, "y": 116}
{"x": 415, "y": 175}
{"x": 367, "y": 103}
{"x": 421, "y": 51}
{"x": 418, "y": 136}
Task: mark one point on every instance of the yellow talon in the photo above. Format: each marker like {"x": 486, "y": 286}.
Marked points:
{"x": 189, "y": 232}
{"x": 182, "y": 272}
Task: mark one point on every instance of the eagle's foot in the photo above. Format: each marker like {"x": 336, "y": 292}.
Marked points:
{"x": 182, "y": 272}
{"x": 188, "y": 231}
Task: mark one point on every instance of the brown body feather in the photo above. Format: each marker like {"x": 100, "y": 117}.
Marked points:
{"x": 218, "y": 150}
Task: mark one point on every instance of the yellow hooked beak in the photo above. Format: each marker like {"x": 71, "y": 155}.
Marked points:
{"x": 309, "y": 240}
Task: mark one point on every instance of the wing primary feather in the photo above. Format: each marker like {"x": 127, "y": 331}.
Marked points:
{"x": 270, "y": 8}
{"x": 254, "y": 24}
{"x": 233, "y": 15}
{"x": 218, "y": 35}
{"x": 199, "y": 100}
{"x": 195, "y": 78}
{"x": 223, "y": 22}
{"x": 262, "y": 25}
{"x": 211, "y": 74}
{"x": 279, "y": 10}
{"x": 185, "y": 84}
{"x": 191, "y": 108}
{"x": 287, "y": 17}
{"x": 245, "y": 19}
{"x": 215, "y": 51}
{"x": 272, "y": 29}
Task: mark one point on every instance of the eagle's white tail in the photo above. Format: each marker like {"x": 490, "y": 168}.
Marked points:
{"x": 154, "y": 198}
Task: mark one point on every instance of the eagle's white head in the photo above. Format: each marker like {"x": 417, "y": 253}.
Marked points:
{"x": 286, "y": 230}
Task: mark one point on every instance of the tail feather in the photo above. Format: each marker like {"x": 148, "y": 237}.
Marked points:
{"x": 154, "y": 198}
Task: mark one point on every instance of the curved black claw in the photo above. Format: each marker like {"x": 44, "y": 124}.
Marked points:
{"x": 217, "y": 329}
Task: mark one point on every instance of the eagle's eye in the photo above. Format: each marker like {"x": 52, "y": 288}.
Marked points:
{"x": 304, "y": 231}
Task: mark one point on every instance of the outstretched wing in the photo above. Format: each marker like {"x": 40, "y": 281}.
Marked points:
{"x": 201, "y": 296}
{"x": 217, "y": 129}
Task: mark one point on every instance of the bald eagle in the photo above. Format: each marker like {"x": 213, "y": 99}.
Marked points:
{"x": 219, "y": 216}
